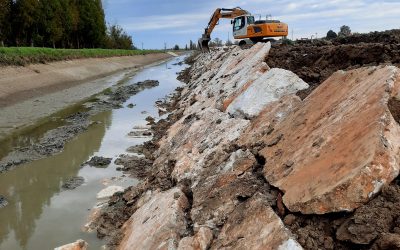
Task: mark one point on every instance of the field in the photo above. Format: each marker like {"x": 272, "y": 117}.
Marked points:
{"x": 27, "y": 55}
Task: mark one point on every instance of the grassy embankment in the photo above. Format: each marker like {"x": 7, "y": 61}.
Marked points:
{"x": 27, "y": 55}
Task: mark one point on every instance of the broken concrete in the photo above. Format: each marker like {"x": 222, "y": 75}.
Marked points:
{"x": 162, "y": 218}
{"x": 342, "y": 141}
{"x": 78, "y": 245}
{"x": 108, "y": 192}
{"x": 268, "y": 88}
{"x": 254, "y": 225}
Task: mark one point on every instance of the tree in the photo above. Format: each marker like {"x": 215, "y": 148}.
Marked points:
{"x": 176, "y": 47}
{"x": 331, "y": 35}
{"x": 5, "y": 7}
{"x": 186, "y": 47}
{"x": 218, "y": 42}
{"x": 344, "y": 31}
{"x": 117, "y": 38}
{"x": 229, "y": 43}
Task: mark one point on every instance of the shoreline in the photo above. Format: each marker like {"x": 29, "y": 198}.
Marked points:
{"x": 47, "y": 100}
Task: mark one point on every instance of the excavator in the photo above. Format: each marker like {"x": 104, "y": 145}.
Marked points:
{"x": 244, "y": 27}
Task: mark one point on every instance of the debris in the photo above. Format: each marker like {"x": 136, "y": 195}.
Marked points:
{"x": 78, "y": 245}
{"x": 162, "y": 217}
{"x": 99, "y": 161}
{"x": 73, "y": 182}
{"x": 108, "y": 192}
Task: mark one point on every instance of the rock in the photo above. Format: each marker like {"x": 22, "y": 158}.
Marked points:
{"x": 200, "y": 241}
{"x": 92, "y": 219}
{"x": 98, "y": 161}
{"x": 109, "y": 191}
{"x": 73, "y": 182}
{"x": 268, "y": 88}
{"x": 78, "y": 245}
{"x": 254, "y": 225}
{"x": 136, "y": 166}
{"x": 162, "y": 218}
{"x": 197, "y": 143}
{"x": 219, "y": 77}
{"x": 343, "y": 142}
{"x": 3, "y": 201}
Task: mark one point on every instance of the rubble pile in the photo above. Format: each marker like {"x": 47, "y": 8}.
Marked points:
{"x": 247, "y": 164}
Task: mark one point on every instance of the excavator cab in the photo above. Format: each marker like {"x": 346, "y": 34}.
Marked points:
{"x": 240, "y": 25}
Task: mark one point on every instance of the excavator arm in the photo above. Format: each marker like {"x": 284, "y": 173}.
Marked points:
{"x": 218, "y": 14}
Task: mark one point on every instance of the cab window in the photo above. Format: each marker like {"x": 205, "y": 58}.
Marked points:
{"x": 239, "y": 23}
{"x": 250, "y": 20}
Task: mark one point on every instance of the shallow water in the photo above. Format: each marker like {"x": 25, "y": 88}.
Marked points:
{"x": 41, "y": 215}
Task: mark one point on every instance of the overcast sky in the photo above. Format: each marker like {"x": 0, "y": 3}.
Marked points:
{"x": 153, "y": 22}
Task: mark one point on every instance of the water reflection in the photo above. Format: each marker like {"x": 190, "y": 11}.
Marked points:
{"x": 40, "y": 215}
{"x": 30, "y": 188}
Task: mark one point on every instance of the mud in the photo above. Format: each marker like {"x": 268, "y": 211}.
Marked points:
{"x": 3, "y": 201}
{"x": 98, "y": 161}
{"x": 73, "y": 183}
{"x": 315, "y": 62}
{"x": 53, "y": 141}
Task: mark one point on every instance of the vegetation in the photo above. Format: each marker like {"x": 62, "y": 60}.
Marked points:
{"x": 26, "y": 55}
{"x": 58, "y": 24}
{"x": 344, "y": 31}
{"x": 331, "y": 35}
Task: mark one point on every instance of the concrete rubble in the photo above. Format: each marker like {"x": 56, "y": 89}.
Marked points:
{"x": 108, "y": 192}
{"x": 78, "y": 245}
{"x": 158, "y": 224}
{"x": 340, "y": 146}
{"x": 246, "y": 158}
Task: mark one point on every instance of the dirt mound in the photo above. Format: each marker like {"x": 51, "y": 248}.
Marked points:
{"x": 385, "y": 37}
{"x": 314, "y": 63}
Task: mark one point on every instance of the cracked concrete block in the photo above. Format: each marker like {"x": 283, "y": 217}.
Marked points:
{"x": 343, "y": 141}
{"x": 158, "y": 224}
{"x": 254, "y": 225}
{"x": 268, "y": 88}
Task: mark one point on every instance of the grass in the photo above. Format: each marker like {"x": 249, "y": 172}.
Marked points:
{"x": 28, "y": 55}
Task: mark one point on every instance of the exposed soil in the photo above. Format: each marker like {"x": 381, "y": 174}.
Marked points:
{"x": 372, "y": 226}
{"x": 73, "y": 183}
{"x": 53, "y": 141}
{"x": 315, "y": 62}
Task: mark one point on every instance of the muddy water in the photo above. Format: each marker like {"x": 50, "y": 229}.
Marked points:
{"x": 40, "y": 214}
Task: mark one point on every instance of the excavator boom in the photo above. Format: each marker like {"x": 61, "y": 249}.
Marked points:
{"x": 218, "y": 14}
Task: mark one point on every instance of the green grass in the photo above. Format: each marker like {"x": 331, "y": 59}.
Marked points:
{"x": 28, "y": 55}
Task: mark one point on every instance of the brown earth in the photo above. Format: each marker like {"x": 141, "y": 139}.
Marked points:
{"x": 315, "y": 62}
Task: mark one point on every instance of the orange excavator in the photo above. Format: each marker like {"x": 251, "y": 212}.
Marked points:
{"x": 245, "y": 27}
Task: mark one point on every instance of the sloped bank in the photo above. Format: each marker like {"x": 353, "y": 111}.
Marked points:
{"x": 246, "y": 164}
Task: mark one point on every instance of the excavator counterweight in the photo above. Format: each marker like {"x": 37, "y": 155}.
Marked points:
{"x": 244, "y": 27}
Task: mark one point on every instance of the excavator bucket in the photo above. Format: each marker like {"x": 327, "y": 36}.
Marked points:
{"x": 203, "y": 44}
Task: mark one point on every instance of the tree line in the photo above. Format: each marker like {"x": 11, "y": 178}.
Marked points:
{"x": 59, "y": 24}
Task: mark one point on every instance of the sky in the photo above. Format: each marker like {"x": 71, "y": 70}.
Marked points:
{"x": 154, "y": 23}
